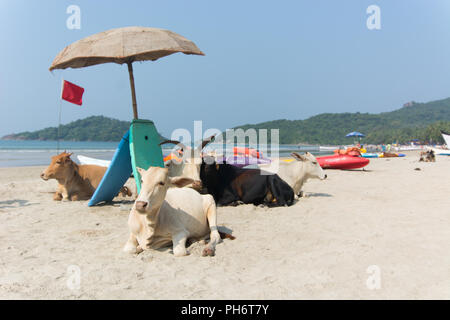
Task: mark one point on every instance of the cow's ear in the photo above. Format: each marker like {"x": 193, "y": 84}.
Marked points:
{"x": 141, "y": 171}
{"x": 67, "y": 158}
{"x": 298, "y": 157}
{"x": 180, "y": 182}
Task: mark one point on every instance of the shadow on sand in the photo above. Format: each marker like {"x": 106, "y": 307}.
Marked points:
{"x": 15, "y": 203}
{"x": 317, "y": 194}
{"x": 125, "y": 205}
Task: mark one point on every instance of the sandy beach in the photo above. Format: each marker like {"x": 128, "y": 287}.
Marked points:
{"x": 390, "y": 216}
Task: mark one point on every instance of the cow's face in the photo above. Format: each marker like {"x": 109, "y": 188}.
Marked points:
{"x": 189, "y": 166}
{"x": 191, "y": 169}
{"x": 154, "y": 185}
{"x": 60, "y": 167}
{"x": 312, "y": 169}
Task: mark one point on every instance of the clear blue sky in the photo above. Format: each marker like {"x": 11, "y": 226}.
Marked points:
{"x": 264, "y": 60}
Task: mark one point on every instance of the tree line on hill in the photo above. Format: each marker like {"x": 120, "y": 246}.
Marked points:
{"x": 422, "y": 121}
{"x": 95, "y": 128}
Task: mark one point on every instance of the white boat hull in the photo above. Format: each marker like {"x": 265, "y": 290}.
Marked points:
{"x": 442, "y": 152}
{"x": 97, "y": 162}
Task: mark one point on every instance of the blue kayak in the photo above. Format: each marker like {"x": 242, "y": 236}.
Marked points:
{"x": 117, "y": 174}
{"x": 369, "y": 155}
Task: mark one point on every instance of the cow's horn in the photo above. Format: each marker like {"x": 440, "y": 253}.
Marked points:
{"x": 178, "y": 143}
{"x": 208, "y": 140}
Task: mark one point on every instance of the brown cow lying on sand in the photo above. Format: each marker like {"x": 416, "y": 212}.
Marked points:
{"x": 76, "y": 182}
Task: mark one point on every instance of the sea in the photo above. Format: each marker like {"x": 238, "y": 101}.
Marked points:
{"x": 19, "y": 153}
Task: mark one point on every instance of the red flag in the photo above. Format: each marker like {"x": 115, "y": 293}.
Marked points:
{"x": 72, "y": 93}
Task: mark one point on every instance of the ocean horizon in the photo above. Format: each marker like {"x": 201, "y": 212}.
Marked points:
{"x": 20, "y": 153}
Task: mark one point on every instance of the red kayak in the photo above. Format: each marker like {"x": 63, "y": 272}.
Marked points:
{"x": 339, "y": 161}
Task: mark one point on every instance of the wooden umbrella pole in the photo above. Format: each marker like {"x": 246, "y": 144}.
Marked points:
{"x": 133, "y": 91}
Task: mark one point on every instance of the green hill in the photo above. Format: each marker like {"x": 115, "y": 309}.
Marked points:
{"x": 418, "y": 121}
{"x": 95, "y": 128}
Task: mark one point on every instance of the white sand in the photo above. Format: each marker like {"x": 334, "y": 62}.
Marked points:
{"x": 390, "y": 216}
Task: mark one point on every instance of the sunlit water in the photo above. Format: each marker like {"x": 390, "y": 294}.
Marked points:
{"x": 38, "y": 153}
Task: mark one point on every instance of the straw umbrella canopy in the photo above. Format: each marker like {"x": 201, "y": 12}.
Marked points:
{"x": 124, "y": 45}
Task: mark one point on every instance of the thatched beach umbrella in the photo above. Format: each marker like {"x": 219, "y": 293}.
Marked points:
{"x": 124, "y": 45}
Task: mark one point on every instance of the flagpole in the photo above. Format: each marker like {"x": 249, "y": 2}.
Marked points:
{"x": 59, "y": 126}
{"x": 59, "y": 118}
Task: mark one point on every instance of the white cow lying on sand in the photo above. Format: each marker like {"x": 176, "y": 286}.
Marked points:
{"x": 296, "y": 173}
{"x": 162, "y": 215}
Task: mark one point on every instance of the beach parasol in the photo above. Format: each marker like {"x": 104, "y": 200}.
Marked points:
{"x": 140, "y": 144}
{"x": 355, "y": 134}
{"x": 124, "y": 45}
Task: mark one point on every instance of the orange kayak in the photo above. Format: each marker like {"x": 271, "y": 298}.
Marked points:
{"x": 352, "y": 151}
{"x": 249, "y": 152}
{"x": 172, "y": 156}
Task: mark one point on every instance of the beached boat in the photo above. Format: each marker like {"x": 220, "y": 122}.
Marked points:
{"x": 446, "y": 137}
{"x": 441, "y": 152}
{"x": 94, "y": 161}
{"x": 383, "y": 155}
{"x": 345, "y": 162}
{"x": 391, "y": 155}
